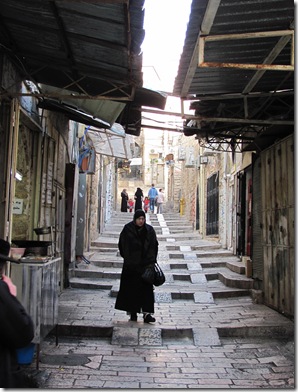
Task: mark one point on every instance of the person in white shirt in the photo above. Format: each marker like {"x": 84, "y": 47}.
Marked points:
{"x": 159, "y": 201}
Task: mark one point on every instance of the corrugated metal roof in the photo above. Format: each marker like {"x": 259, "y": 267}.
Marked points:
{"x": 86, "y": 50}
{"x": 88, "y": 47}
{"x": 235, "y": 88}
{"x": 236, "y": 17}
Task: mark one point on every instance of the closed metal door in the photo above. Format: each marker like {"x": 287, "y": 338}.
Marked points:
{"x": 278, "y": 222}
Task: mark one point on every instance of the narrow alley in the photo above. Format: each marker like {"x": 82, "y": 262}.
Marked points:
{"x": 105, "y": 107}
{"x": 210, "y": 331}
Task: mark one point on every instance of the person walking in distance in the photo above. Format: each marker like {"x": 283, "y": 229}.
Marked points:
{"x": 124, "y": 200}
{"x": 152, "y": 195}
{"x": 138, "y": 199}
{"x": 160, "y": 199}
{"x": 138, "y": 246}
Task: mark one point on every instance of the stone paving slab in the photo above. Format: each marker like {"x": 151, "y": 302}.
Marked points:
{"x": 206, "y": 337}
{"x": 125, "y": 336}
{"x": 203, "y": 298}
{"x": 241, "y": 363}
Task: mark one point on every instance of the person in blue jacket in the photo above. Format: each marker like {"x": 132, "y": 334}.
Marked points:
{"x": 152, "y": 196}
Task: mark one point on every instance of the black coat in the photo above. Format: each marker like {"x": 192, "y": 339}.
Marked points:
{"x": 124, "y": 199}
{"x": 138, "y": 198}
{"x": 137, "y": 250}
{"x": 16, "y": 331}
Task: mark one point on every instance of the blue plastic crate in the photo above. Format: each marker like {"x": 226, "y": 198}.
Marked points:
{"x": 25, "y": 355}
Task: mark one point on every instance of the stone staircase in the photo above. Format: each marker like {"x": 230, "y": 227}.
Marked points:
{"x": 206, "y": 296}
{"x": 185, "y": 257}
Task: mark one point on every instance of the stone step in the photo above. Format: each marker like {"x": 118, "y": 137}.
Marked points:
{"x": 107, "y": 263}
{"x": 83, "y": 283}
{"x": 235, "y": 280}
{"x": 102, "y": 244}
{"x": 162, "y": 237}
{"x": 207, "y": 254}
{"x": 180, "y": 294}
{"x": 233, "y": 264}
{"x": 200, "y": 336}
{"x": 111, "y": 249}
{"x": 97, "y": 274}
{"x": 202, "y": 247}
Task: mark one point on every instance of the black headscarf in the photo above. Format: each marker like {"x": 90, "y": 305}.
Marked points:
{"x": 138, "y": 213}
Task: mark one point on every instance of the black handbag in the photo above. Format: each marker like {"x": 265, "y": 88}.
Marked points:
{"x": 159, "y": 277}
{"x": 153, "y": 274}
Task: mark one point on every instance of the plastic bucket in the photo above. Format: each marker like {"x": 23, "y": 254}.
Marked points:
{"x": 25, "y": 354}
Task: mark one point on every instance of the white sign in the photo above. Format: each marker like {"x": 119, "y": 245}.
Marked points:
{"x": 17, "y": 207}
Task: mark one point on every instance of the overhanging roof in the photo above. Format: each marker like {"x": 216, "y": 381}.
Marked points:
{"x": 237, "y": 62}
{"x": 83, "y": 54}
{"x": 92, "y": 48}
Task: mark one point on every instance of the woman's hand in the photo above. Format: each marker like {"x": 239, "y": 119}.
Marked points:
{"x": 11, "y": 286}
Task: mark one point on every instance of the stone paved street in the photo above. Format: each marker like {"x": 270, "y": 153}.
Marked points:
{"x": 211, "y": 330}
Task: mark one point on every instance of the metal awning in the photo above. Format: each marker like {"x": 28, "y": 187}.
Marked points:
{"x": 87, "y": 47}
{"x": 106, "y": 110}
{"x": 85, "y": 55}
{"x": 73, "y": 113}
{"x": 237, "y": 65}
{"x": 110, "y": 142}
{"x": 102, "y": 113}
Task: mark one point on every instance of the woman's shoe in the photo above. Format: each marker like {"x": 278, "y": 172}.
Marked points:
{"x": 133, "y": 317}
{"x": 149, "y": 319}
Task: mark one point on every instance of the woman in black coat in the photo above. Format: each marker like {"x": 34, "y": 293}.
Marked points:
{"x": 124, "y": 200}
{"x": 138, "y": 246}
{"x": 139, "y": 199}
{"x": 16, "y": 327}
